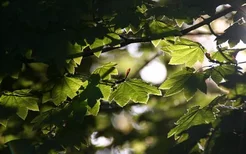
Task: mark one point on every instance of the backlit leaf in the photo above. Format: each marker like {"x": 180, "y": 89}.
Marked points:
{"x": 133, "y": 90}
{"x": 186, "y": 81}
{"x": 221, "y": 72}
{"x": 93, "y": 93}
{"x": 105, "y": 71}
{"x": 224, "y": 56}
{"x": 184, "y": 51}
{"x": 95, "y": 109}
{"x": 64, "y": 87}
{"x": 110, "y": 38}
{"x": 194, "y": 116}
{"x": 158, "y": 28}
{"x": 20, "y": 99}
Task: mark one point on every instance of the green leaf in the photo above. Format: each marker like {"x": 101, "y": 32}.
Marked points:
{"x": 4, "y": 122}
{"x": 70, "y": 66}
{"x": 238, "y": 90}
{"x": 156, "y": 42}
{"x": 180, "y": 22}
{"x": 98, "y": 53}
{"x": 194, "y": 116}
{"x": 224, "y": 56}
{"x": 221, "y": 72}
{"x": 175, "y": 83}
{"x": 78, "y": 60}
{"x": 158, "y": 28}
{"x": 22, "y": 112}
{"x": 105, "y": 71}
{"x": 92, "y": 94}
{"x": 64, "y": 87}
{"x": 134, "y": 90}
{"x": 105, "y": 90}
{"x": 184, "y": 51}
{"x": 20, "y": 99}
{"x": 186, "y": 81}
{"x": 142, "y": 8}
{"x": 98, "y": 44}
{"x": 95, "y": 109}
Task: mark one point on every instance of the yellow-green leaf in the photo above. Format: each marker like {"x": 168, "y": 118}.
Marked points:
{"x": 133, "y": 90}
{"x": 20, "y": 99}
{"x": 105, "y": 71}
{"x": 184, "y": 51}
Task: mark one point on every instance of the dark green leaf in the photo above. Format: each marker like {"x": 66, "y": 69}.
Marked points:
{"x": 194, "y": 116}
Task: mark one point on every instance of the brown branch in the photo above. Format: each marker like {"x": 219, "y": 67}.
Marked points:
{"x": 89, "y": 52}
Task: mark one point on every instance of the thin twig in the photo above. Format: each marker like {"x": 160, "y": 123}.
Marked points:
{"x": 242, "y": 62}
{"x": 210, "y": 28}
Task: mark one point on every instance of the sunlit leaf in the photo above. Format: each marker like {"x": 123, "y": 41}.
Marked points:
{"x": 158, "y": 28}
{"x": 142, "y": 8}
{"x": 20, "y": 99}
{"x": 64, "y": 87}
{"x": 94, "y": 109}
{"x": 186, "y": 81}
{"x": 156, "y": 42}
{"x": 184, "y": 51}
{"x": 133, "y": 90}
{"x": 93, "y": 93}
{"x": 105, "y": 71}
{"x": 98, "y": 44}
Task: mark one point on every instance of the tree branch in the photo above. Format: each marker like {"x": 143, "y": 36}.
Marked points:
{"x": 89, "y": 52}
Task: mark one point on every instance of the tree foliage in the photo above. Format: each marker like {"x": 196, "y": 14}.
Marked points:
{"x": 51, "y": 100}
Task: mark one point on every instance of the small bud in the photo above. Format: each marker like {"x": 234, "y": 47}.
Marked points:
{"x": 208, "y": 55}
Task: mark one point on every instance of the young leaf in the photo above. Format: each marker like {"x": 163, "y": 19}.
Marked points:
{"x": 134, "y": 90}
{"x": 194, "y": 116}
{"x": 184, "y": 51}
{"x": 20, "y": 99}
